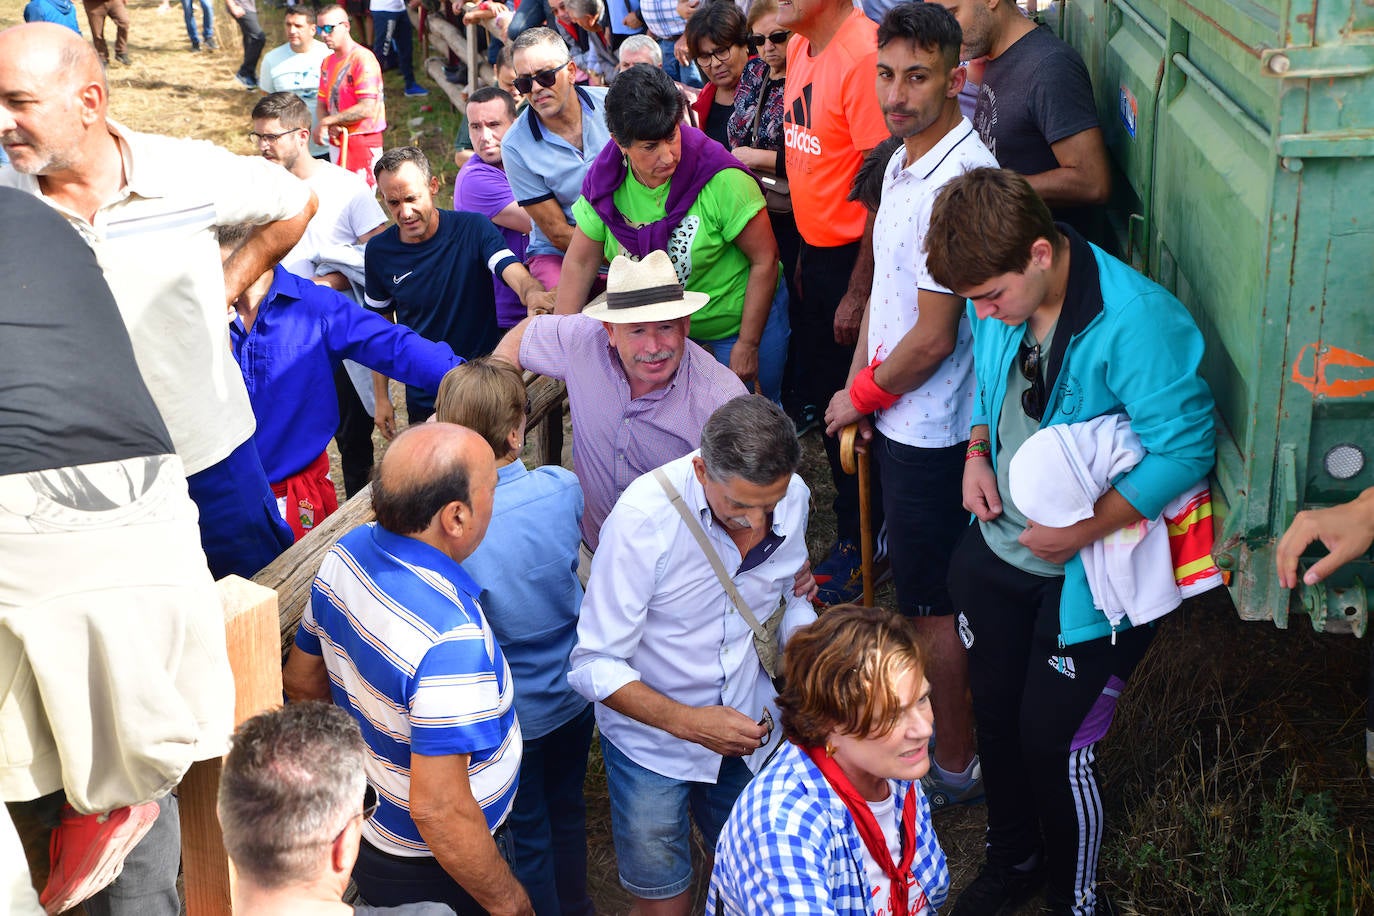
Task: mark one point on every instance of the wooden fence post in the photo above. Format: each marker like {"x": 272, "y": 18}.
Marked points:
{"x": 252, "y": 636}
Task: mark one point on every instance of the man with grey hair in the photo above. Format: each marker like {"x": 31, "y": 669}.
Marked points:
{"x": 639, "y": 49}
{"x": 596, "y": 56}
{"x": 549, "y": 147}
{"x": 292, "y": 801}
{"x": 666, "y": 648}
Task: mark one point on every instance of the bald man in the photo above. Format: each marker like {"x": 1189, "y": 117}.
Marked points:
{"x": 148, "y": 207}
{"x": 395, "y": 635}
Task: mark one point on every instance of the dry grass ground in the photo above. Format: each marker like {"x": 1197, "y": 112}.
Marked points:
{"x": 1235, "y": 777}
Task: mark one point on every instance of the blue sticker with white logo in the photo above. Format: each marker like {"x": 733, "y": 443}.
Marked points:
{"x": 1127, "y": 108}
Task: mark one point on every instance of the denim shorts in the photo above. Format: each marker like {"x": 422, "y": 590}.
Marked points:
{"x": 650, "y": 825}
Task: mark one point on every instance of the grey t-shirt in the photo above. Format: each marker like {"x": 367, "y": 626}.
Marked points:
{"x": 405, "y": 909}
{"x": 1013, "y": 429}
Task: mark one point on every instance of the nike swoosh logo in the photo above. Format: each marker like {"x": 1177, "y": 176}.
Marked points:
{"x": 396, "y": 279}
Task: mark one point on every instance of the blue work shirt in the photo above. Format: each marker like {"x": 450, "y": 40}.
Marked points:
{"x": 527, "y": 568}
{"x": 302, "y": 331}
{"x": 541, "y": 165}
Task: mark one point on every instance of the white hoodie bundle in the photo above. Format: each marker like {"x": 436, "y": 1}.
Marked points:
{"x": 1056, "y": 478}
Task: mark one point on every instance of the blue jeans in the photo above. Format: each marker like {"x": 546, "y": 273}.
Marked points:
{"x": 207, "y": 16}
{"x": 649, "y": 820}
{"x": 393, "y": 28}
{"x": 253, "y": 41}
{"x": 688, "y": 75}
{"x": 548, "y": 822}
{"x": 772, "y": 347}
{"x": 241, "y": 530}
{"x": 530, "y": 14}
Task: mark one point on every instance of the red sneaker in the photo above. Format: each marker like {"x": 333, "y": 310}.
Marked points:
{"x": 87, "y": 852}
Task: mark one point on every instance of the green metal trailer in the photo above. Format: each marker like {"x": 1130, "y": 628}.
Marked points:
{"x": 1242, "y": 134}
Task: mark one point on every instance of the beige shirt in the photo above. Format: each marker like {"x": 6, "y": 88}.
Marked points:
{"x": 155, "y": 241}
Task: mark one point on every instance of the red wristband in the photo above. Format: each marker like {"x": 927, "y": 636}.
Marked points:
{"x": 867, "y": 395}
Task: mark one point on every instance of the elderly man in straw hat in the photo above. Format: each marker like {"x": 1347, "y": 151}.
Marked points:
{"x": 639, "y": 390}
{"x": 690, "y": 597}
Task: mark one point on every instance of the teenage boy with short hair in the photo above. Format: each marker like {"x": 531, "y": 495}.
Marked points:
{"x": 1062, "y": 333}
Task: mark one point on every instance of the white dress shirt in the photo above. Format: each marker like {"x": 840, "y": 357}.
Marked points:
{"x": 655, "y": 612}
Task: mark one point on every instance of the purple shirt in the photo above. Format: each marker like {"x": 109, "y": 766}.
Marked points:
{"x": 616, "y": 438}
{"x": 482, "y": 188}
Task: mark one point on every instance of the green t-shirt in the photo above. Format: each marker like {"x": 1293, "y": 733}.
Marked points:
{"x": 1013, "y": 429}
{"x": 702, "y": 246}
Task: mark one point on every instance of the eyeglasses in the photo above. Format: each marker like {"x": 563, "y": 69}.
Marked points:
{"x": 546, "y": 78}
{"x": 777, "y": 38}
{"x": 328, "y": 29}
{"x": 1033, "y": 398}
{"x": 255, "y": 137}
{"x": 370, "y": 803}
{"x": 721, "y": 55}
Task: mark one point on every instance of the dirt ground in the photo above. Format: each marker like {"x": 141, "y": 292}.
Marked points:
{"x": 1217, "y": 701}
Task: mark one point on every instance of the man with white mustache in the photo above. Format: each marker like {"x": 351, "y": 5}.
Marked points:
{"x": 639, "y": 390}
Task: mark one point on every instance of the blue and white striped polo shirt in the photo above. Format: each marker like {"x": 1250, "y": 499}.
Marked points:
{"x": 410, "y": 655}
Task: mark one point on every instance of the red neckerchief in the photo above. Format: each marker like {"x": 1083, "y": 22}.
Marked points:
{"x": 900, "y": 876}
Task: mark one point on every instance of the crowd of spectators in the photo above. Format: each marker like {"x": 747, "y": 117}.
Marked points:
{"x": 721, "y": 226}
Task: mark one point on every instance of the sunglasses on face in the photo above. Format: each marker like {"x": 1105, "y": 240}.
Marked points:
{"x": 1033, "y": 398}
{"x": 328, "y": 29}
{"x": 546, "y": 78}
{"x": 776, "y": 38}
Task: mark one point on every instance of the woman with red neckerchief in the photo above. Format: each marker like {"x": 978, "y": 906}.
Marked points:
{"x": 837, "y": 822}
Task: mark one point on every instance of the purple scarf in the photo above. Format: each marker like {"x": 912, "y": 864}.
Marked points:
{"x": 702, "y": 159}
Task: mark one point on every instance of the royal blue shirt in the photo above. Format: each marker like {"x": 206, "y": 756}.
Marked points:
{"x": 288, "y": 357}
{"x": 441, "y": 288}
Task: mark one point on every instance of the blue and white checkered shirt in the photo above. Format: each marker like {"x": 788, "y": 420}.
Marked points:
{"x": 790, "y": 847}
{"x": 661, "y": 18}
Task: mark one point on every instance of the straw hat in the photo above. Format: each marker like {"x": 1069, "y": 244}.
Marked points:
{"x": 646, "y": 290}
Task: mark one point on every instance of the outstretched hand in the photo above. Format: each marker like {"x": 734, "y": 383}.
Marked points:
{"x": 1346, "y": 530}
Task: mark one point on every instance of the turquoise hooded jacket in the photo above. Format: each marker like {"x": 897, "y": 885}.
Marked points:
{"x": 1123, "y": 344}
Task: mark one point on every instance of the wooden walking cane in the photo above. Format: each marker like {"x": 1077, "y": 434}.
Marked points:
{"x": 855, "y": 461}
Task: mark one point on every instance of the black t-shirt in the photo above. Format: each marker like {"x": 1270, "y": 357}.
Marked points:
{"x": 1036, "y": 93}
{"x": 441, "y": 288}
{"x": 717, "y": 120}
{"x": 70, "y": 391}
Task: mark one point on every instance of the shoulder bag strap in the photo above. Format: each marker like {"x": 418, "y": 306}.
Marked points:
{"x": 694, "y": 526}
{"x": 758, "y": 109}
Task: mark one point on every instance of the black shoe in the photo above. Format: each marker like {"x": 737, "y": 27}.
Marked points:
{"x": 806, "y": 418}
{"x": 124, "y": 58}
{"x": 998, "y": 889}
{"x": 210, "y": 43}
